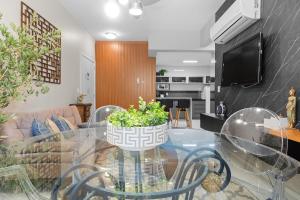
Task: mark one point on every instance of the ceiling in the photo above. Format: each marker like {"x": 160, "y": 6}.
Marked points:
{"x": 176, "y": 59}
{"x": 169, "y": 15}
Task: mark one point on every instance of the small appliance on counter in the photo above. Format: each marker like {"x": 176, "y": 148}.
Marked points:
{"x": 178, "y": 79}
{"x": 163, "y": 86}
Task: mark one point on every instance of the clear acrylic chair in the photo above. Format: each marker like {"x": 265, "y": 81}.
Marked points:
{"x": 253, "y": 134}
{"x": 18, "y": 173}
{"x": 104, "y": 183}
{"x": 99, "y": 117}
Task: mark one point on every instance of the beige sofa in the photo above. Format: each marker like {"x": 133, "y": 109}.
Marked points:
{"x": 43, "y": 156}
{"x": 20, "y": 128}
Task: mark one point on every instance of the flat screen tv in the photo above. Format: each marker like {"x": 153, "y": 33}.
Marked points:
{"x": 242, "y": 65}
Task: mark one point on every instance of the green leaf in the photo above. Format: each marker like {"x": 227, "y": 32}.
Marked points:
{"x": 19, "y": 53}
{"x": 151, "y": 114}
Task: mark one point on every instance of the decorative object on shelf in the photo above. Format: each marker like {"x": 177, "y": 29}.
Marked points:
{"x": 138, "y": 129}
{"x": 221, "y": 109}
{"x": 163, "y": 86}
{"x": 297, "y": 126}
{"x": 291, "y": 108}
{"x": 80, "y": 98}
{"x": 48, "y": 66}
{"x": 19, "y": 55}
{"x": 162, "y": 72}
{"x": 84, "y": 110}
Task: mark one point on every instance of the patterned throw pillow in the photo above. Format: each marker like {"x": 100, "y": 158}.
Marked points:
{"x": 52, "y": 126}
{"x": 71, "y": 126}
{"x": 39, "y": 128}
{"x": 61, "y": 124}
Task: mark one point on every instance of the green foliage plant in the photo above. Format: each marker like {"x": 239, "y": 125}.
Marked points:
{"x": 162, "y": 72}
{"x": 147, "y": 114}
{"x": 19, "y": 53}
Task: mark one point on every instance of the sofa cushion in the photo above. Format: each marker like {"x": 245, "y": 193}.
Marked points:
{"x": 52, "y": 126}
{"x": 19, "y": 128}
{"x": 39, "y": 128}
{"x": 60, "y": 123}
{"x": 71, "y": 126}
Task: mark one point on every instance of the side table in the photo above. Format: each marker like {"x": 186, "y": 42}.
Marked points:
{"x": 84, "y": 110}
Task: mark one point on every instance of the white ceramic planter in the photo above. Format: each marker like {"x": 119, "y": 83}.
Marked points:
{"x": 137, "y": 138}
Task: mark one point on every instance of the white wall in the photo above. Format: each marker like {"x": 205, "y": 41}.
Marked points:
{"x": 75, "y": 41}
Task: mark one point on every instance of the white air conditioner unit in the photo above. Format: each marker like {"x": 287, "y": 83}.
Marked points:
{"x": 240, "y": 15}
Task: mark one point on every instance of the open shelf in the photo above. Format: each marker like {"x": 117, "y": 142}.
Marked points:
{"x": 187, "y": 80}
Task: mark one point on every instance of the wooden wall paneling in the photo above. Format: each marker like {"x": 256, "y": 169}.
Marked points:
{"x": 119, "y": 66}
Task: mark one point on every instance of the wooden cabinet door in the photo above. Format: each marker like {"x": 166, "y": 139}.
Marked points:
{"x": 123, "y": 73}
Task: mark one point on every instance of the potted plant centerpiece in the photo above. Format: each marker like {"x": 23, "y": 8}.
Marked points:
{"x": 138, "y": 129}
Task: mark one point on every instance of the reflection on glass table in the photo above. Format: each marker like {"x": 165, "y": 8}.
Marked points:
{"x": 194, "y": 163}
{"x": 100, "y": 115}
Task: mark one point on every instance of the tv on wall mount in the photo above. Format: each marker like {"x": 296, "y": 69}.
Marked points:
{"x": 242, "y": 65}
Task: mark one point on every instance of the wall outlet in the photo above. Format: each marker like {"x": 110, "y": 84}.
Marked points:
{"x": 219, "y": 89}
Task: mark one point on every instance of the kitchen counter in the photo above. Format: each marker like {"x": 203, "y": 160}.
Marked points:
{"x": 174, "y": 104}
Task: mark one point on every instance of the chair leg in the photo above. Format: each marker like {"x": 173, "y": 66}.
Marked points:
{"x": 175, "y": 121}
{"x": 171, "y": 116}
{"x": 177, "y": 117}
{"x": 188, "y": 119}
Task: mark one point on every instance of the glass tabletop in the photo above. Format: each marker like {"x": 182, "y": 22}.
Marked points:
{"x": 192, "y": 164}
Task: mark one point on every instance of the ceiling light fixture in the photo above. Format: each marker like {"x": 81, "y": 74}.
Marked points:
{"x": 123, "y": 2}
{"x": 112, "y": 9}
{"x": 190, "y": 61}
{"x": 110, "y": 35}
{"x": 178, "y": 70}
{"x": 136, "y": 8}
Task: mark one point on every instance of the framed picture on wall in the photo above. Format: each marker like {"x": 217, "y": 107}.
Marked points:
{"x": 49, "y": 66}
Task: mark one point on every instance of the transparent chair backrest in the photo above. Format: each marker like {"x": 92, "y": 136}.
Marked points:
{"x": 99, "y": 117}
{"x": 252, "y": 135}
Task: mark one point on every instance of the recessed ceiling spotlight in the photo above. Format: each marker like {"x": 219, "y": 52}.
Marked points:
{"x": 110, "y": 35}
{"x": 190, "y": 61}
{"x": 136, "y": 8}
{"x": 112, "y": 9}
{"x": 123, "y": 2}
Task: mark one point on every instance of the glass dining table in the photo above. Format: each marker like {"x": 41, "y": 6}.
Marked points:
{"x": 192, "y": 164}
